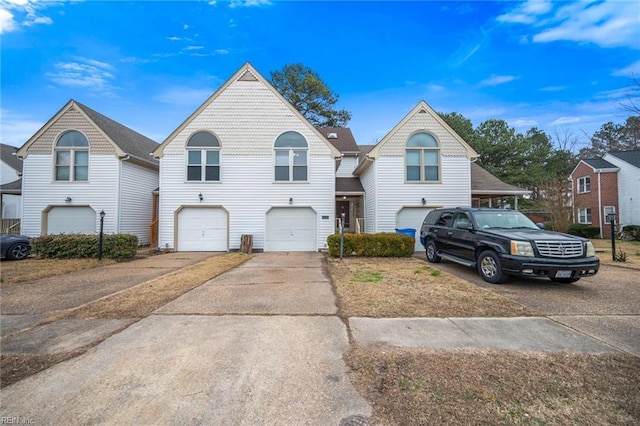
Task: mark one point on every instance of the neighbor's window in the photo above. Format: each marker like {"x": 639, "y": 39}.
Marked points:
{"x": 203, "y": 157}
{"x": 72, "y": 157}
{"x": 290, "y": 151}
{"x": 584, "y": 184}
{"x": 608, "y": 210}
{"x": 584, "y": 215}
{"x": 422, "y": 158}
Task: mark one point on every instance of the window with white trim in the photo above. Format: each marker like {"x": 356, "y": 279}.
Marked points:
{"x": 290, "y": 157}
{"x": 584, "y": 215}
{"x": 584, "y": 184}
{"x": 422, "y": 158}
{"x": 72, "y": 157}
{"x": 203, "y": 158}
{"x": 608, "y": 210}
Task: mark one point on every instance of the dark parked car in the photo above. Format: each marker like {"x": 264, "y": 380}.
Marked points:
{"x": 499, "y": 243}
{"x": 14, "y": 247}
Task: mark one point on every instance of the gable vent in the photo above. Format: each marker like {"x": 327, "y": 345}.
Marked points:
{"x": 247, "y": 76}
{"x": 422, "y": 111}
{"x": 332, "y": 136}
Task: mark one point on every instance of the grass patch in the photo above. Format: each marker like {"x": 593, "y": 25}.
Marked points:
{"x": 409, "y": 288}
{"x": 141, "y": 300}
{"x": 427, "y": 387}
{"x": 631, "y": 250}
{"x": 30, "y": 269}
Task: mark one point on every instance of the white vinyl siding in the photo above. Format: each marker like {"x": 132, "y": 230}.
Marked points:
{"x": 247, "y": 189}
{"x": 628, "y": 198}
{"x": 137, "y": 185}
{"x": 368, "y": 180}
{"x": 291, "y": 229}
{"x": 347, "y": 166}
{"x": 40, "y": 191}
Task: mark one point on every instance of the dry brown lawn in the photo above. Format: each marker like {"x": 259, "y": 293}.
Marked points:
{"x": 428, "y": 387}
{"x": 630, "y": 248}
{"x": 17, "y": 271}
{"x": 390, "y": 287}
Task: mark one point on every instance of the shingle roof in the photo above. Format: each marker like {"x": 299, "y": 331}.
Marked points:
{"x": 599, "y": 163}
{"x": 349, "y": 185}
{"x": 7, "y": 155}
{"x": 483, "y": 182}
{"x": 344, "y": 140}
{"x": 631, "y": 157}
{"x": 130, "y": 141}
{"x": 14, "y": 187}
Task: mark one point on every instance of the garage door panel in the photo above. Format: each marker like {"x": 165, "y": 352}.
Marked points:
{"x": 202, "y": 229}
{"x": 291, "y": 229}
{"x": 71, "y": 220}
{"x": 412, "y": 217}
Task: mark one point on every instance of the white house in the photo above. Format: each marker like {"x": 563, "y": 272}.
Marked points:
{"x": 81, "y": 163}
{"x": 246, "y": 162}
{"x": 421, "y": 164}
{"x": 10, "y": 182}
{"x": 628, "y": 163}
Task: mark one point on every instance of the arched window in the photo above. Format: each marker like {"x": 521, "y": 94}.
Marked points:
{"x": 203, "y": 157}
{"x": 72, "y": 157}
{"x": 422, "y": 158}
{"x": 290, "y": 150}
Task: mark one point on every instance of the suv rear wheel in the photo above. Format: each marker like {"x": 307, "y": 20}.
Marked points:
{"x": 489, "y": 267}
{"x": 432, "y": 252}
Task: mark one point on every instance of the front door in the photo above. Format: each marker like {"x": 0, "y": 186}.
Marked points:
{"x": 343, "y": 207}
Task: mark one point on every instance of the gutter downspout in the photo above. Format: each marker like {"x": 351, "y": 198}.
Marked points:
{"x": 600, "y": 203}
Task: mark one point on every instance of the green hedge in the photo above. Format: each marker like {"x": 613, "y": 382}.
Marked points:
{"x": 70, "y": 246}
{"x": 633, "y": 231}
{"x": 385, "y": 244}
{"x": 583, "y": 230}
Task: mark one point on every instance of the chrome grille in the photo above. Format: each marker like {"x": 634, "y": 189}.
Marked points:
{"x": 562, "y": 249}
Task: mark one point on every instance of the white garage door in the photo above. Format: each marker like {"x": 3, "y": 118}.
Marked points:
{"x": 291, "y": 229}
{"x": 202, "y": 229}
{"x": 412, "y": 217}
{"x": 71, "y": 220}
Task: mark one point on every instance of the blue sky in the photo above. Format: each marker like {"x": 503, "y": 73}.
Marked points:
{"x": 564, "y": 67}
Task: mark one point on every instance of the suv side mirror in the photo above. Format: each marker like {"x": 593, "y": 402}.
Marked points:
{"x": 464, "y": 225}
{"x": 540, "y": 225}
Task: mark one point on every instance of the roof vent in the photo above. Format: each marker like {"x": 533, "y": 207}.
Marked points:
{"x": 332, "y": 136}
{"x": 422, "y": 111}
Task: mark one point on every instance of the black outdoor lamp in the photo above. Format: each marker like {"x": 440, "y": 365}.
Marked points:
{"x": 102, "y": 215}
{"x": 611, "y": 218}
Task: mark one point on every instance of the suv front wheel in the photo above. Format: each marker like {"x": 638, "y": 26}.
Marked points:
{"x": 489, "y": 267}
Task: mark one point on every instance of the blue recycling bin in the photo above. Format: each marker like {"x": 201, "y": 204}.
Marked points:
{"x": 407, "y": 231}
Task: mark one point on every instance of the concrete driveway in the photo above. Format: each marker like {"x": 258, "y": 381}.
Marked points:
{"x": 259, "y": 345}
{"x": 605, "y": 306}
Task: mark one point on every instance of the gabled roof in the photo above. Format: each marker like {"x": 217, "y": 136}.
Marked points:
{"x": 126, "y": 142}
{"x": 8, "y": 156}
{"x": 631, "y": 157}
{"x": 246, "y": 73}
{"x": 349, "y": 186}
{"x": 484, "y": 183}
{"x": 14, "y": 187}
{"x": 341, "y": 138}
{"x": 421, "y": 108}
{"x": 597, "y": 165}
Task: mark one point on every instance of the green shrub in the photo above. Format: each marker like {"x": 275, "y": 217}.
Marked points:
{"x": 73, "y": 246}
{"x": 632, "y": 232}
{"x": 584, "y": 230}
{"x": 385, "y": 244}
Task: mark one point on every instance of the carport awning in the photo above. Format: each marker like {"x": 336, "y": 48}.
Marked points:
{"x": 349, "y": 186}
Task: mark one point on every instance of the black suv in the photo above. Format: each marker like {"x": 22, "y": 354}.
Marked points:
{"x": 499, "y": 243}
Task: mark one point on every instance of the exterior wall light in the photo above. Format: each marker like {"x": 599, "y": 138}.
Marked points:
{"x": 424, "y": 201}
{"x": 200, "y": 197}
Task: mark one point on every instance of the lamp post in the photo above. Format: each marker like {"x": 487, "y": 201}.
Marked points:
{"x": 102, "y": 215}
{"x": 611, "y": 217}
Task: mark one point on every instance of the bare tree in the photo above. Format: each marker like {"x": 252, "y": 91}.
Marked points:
{"x": 556, "y": 198}
{"x": 632, "y": 105}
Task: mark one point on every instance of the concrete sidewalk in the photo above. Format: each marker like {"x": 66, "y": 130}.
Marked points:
{"x": 261, "y": 344}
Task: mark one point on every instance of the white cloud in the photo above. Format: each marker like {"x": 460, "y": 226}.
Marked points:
{"x": 608, "y": 23}
{"x": 632, "y": 70}
{"x": 7, "y": 23}
{"x": 16, "y": 129}
{"x": 183, "y": 96}
{"x": 552, "y": 88}
{"x": 83, "y": 73}
{"x": 14, "y": 13}
{"x": 221, "y": 51}
{"x": 497, "y": 80}
{"x": 194, "y": 48}
{"x": 564, "y": 120}
{"x": 248, "y": 3}
{"x": 526, "y": 13}
{"x": 523, "y": 122}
